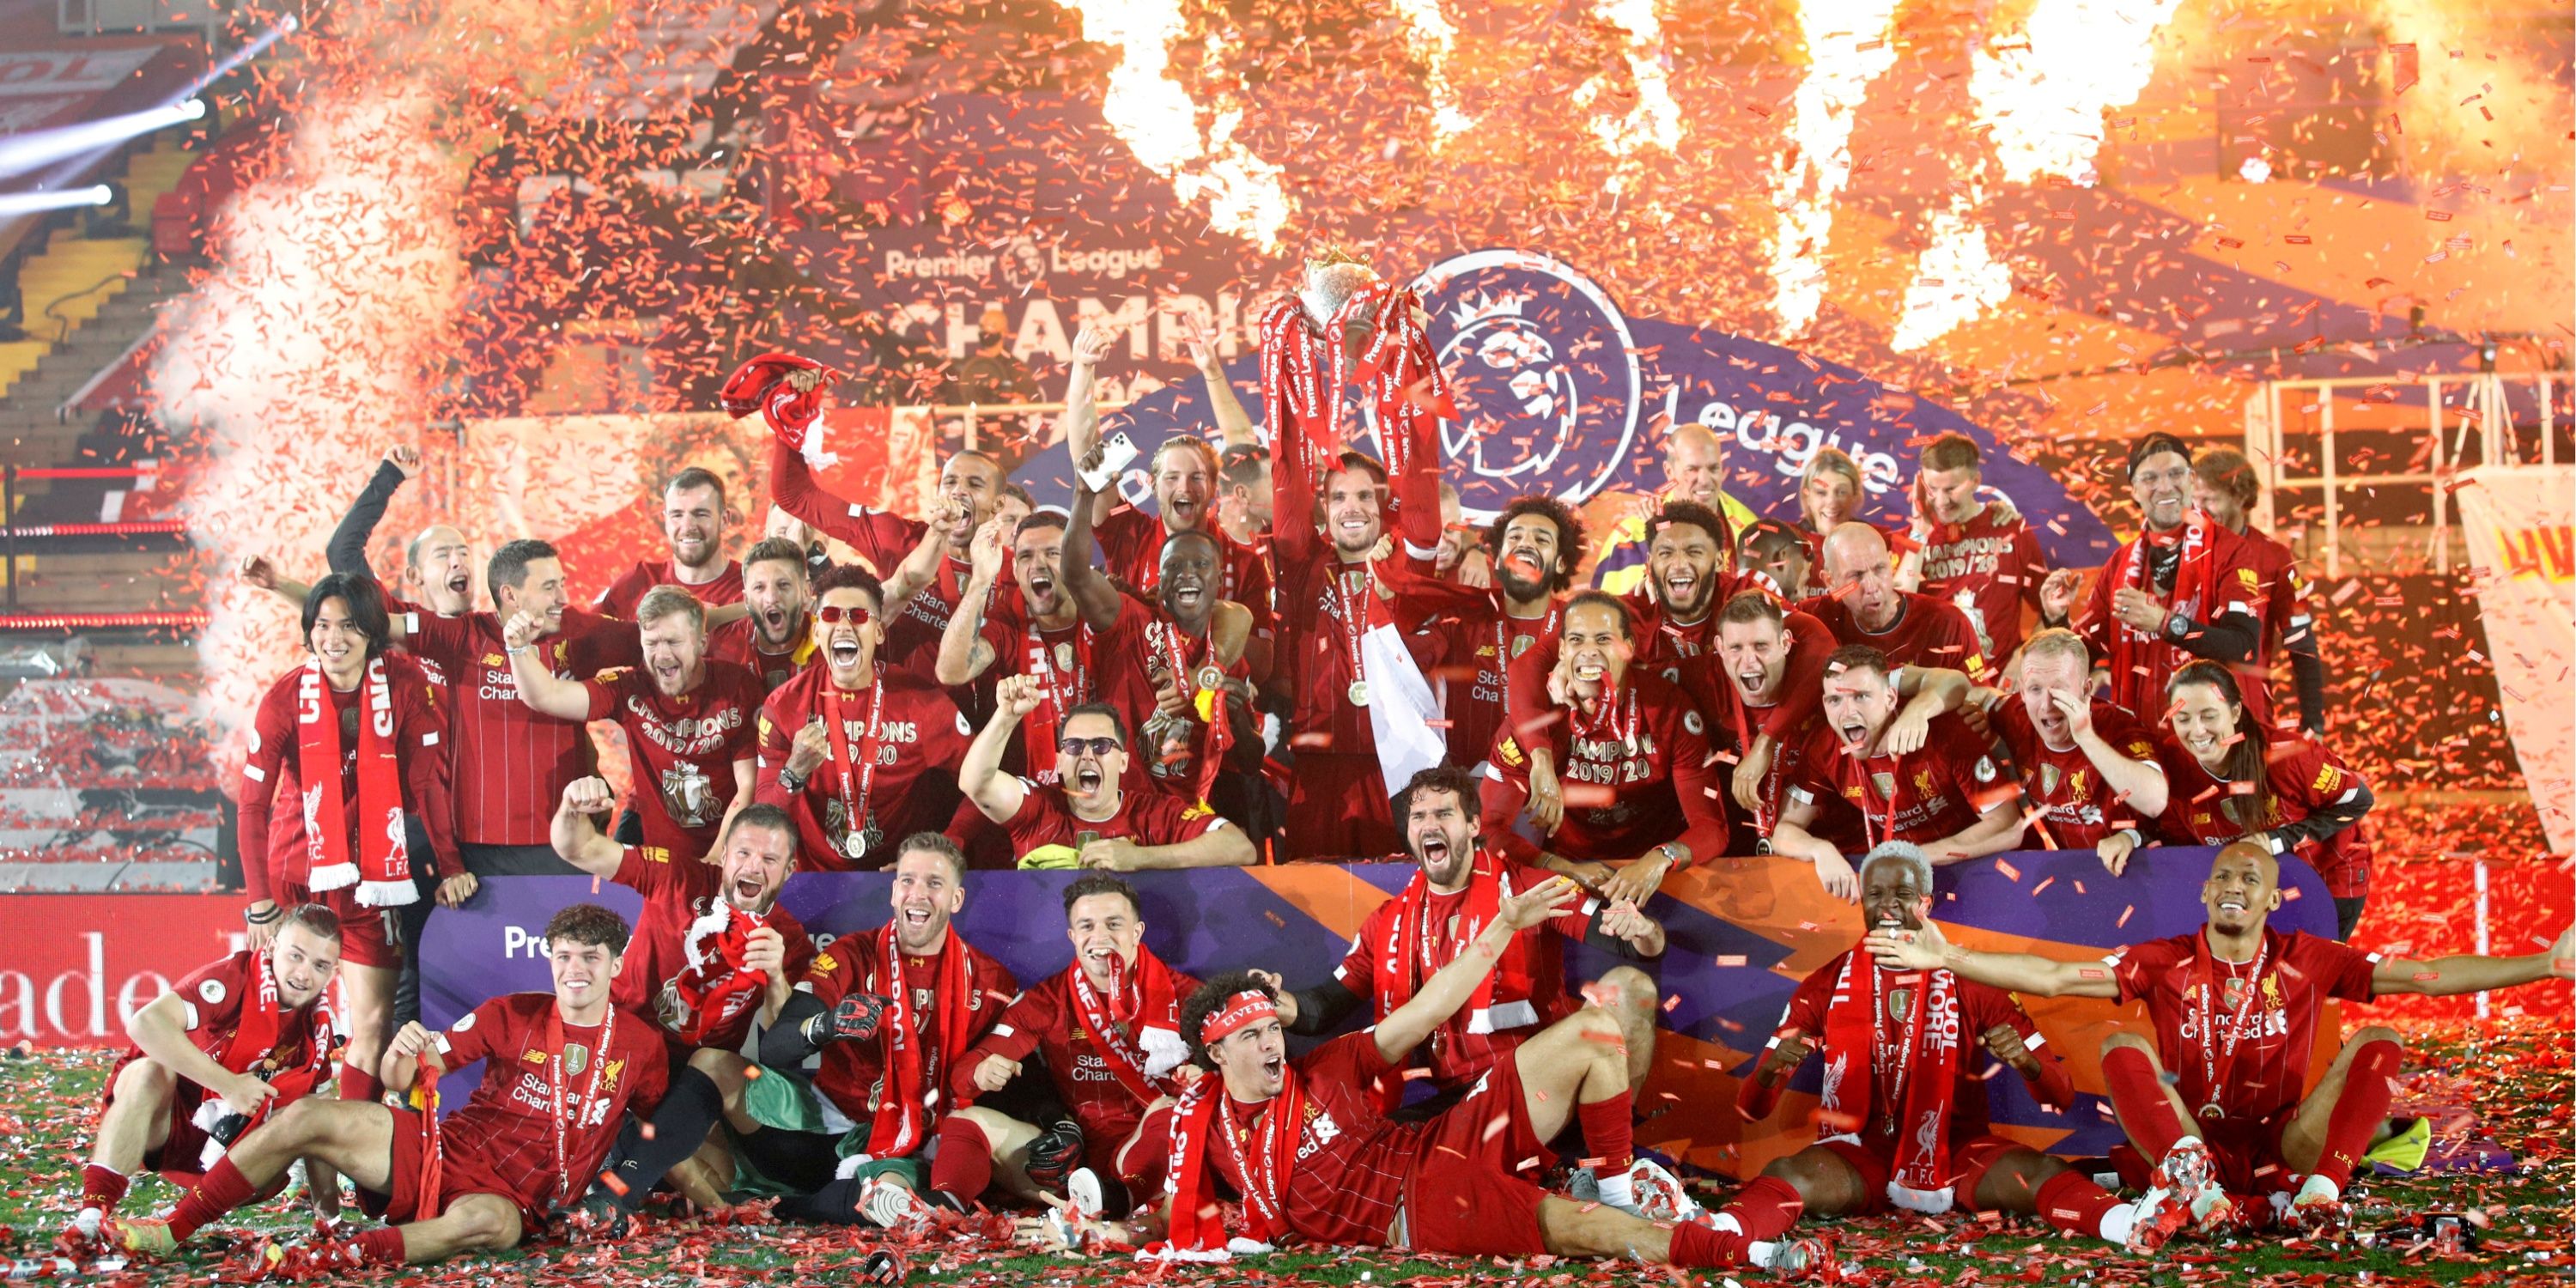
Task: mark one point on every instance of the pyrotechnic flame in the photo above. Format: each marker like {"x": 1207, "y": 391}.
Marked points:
{"x": 1434, "y": 37}
{"x": 2042, "y": 100}
{"x": 1654, "y": 120}
{"x": 1847, "y": 48}
{"x": 307, "y": 352}
{"x": 1956, "y": 279}
{"x": 1155, "y": 117}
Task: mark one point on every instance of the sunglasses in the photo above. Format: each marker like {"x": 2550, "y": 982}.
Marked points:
{"x": 1096, "y": 746}
{"x": 831, "y": 615}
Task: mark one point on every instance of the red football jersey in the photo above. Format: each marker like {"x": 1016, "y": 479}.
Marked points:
{"x": 623, "y": 594}
{"x": 511, "y": 763}
{"x": 1929, "y": 796}
{"x": 271, "y": 841}
{"x": 1074, "y": 664}
{"x": 1648, "y": 756}
{"x": 1166, "y": 752}
{"x": 736, "y": 642}
{"x": 1480, "y": 639}
{"x": 1926, "y": 632}
{"x": 1351, "y": 1163}
{"x": 1458, "y": 1057}
{"x": 882, "y": 539}
{"x": 1045, "y": 1020}
{"x": 503, "y": 1140}
{"x": 2076, "y": 806}
{"x": 1981, "y": 1008}
{"x": 2236, "y": 586}
{"x": 211, "y": 1000}
{"x": 1131, "y": 543}
{"x": 2304, "y": 778}
{"x": 853, "y": 1073}
{"x": 681, "y": 750}
{"x": 2278, "y": 1028}
{"x": 1148, "y": 818}
{"x": 920, "y": 737}
{"x": 1987, "y": 570}
{"x": 676, "y": 890}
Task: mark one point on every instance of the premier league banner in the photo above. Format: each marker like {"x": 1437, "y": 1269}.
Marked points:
{"x": 1559, "y": 392}
{"x": 1742, "y": 933}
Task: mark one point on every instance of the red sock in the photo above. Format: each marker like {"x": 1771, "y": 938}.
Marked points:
{"x": 360, "y": 1085}
{"x": 1766, "y": 1207}
{"x": 2359, "y": 1110}
{"x": 223, "y": 1189}
{"x": 964, "y": 1166}
{"x": 1610, "y": 1132}
{"x": 2138, "y": 1097}
{"x": 102, "y": 1187}
{"x": 1697, "y": 1247}
{"x": 381, "y": 1247}
{"x": 2070, "y": 1201}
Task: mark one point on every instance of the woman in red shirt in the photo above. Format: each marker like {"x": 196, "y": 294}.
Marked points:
{"x": 2230, "y": 777}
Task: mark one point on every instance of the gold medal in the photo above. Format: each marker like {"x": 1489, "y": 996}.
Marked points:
{"x": 1211, "y": 677}
{"x": 2211, "y": 1112}
{"x": 1359, "y": 693}
{"x": 1064, "y": 657}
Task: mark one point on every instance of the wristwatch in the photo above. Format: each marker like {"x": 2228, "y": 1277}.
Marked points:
{"x": 791, "y": 780}
{"x": 1672, "y": 855}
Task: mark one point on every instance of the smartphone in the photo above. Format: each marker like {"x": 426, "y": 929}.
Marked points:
{"x": 1115, "y": 456}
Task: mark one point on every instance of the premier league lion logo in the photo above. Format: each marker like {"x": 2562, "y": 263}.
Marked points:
{"x": 1544, "y": 373}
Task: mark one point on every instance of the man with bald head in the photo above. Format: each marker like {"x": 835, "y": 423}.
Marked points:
{"x": 1694, "y": 471}
{"x": 1861, "y": 605}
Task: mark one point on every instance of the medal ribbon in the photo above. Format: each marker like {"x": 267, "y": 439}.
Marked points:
{"x": 853, "y": 808}
{"x": 554, "y": 1070}
{"x": 2216, "y": 1067}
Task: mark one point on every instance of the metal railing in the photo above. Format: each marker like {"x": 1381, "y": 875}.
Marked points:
{"x": 2485, "y": 406}
{"x": 13, "y": 534}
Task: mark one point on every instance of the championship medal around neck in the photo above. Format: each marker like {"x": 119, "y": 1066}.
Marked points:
{"x": 1358, "y": 693}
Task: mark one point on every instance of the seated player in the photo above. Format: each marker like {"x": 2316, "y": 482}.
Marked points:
{"x": 853, "y": 754}
{"x": 1629, "y": 755}
{"x": 1307, "y": 1145}
{"x": 218, "y": 1054}
{"x": 2234, "y": 778}
{"x": 1861, "y": 605}
{"x": 1929, "y": 782}
{"x": 1899, "y": 1050}
{"x": 688, "y": 722}
{"x": 1108, "y": 1030}
{"x": 893, "y": 1012}
{"x": 707, "y": 925}
{"x": 560, "y": 1072}
{"x": 1455, "y": 891}
{"x": 2087, "y": 766}
{"x": 1089, "y": 819}
{"x": 2215, "y": 1103}
{"x": 770, "y": 639}
{"x": 362, "y": 723}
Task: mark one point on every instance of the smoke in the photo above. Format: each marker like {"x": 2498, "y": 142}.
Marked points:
{"x": 2486, "y": 101}
{"x": 307, "y": 353}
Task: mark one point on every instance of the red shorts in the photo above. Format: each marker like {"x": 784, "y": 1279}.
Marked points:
{"x": 362, "y": 930}
{"x": 1491, "y": 1127}
{"x": 2245, "y": 1151}
{"x": 399, "y": 1204}
{"x": 1464, "y": 1208}
{"x": 1970, "y": 1158}
{"x": 1338, "y": 809}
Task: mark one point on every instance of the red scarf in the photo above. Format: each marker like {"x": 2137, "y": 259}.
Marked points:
{"x": 761, "y": 385}
{"x": 381, "y": 869}
{"x": 252, "y": 1043}
{"x": 2141, "y": 661}
{"x": 1398, "y": 370}
{"x": 1197, "y": 1230}
{"x": 1420, "y": 949}
{"x": 1919, "y": 1060}
{"x": 714, "y": 988}
{"x": 903, "y": 1114}
{"x": 1143, "y": 1004}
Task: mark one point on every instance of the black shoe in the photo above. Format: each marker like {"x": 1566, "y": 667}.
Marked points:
{"x": 596, "y": 1218}
{"x": 1054, "y": 1155}
{"x": 854, "y": 1019}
